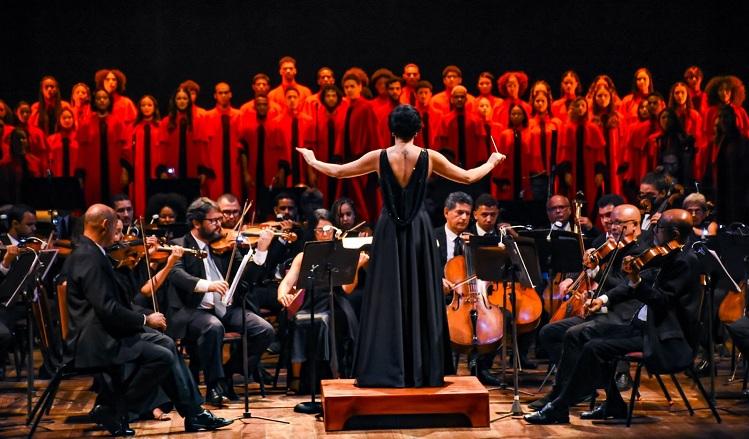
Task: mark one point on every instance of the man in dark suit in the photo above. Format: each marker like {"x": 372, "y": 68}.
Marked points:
{"x": 196, "y": 310}
{"x": 665, "y": 328}
{"x": 104, "y": 331}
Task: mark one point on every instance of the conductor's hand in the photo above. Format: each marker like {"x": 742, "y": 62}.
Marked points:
{"x": 594, "y": 305}
{"x": 218, "y": 286}
{"x": 495, "y": 159}
{"x": 308, "y": 154}
{"x": 156, "y": 321}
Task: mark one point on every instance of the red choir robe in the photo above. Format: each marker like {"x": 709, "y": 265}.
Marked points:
{"x": 185, "y": 148}
{"x": 281, "y": 150}
{"x": 408, "y": 96}
{"x": 560, "y": 108}
{"x": 494, "y": 101}
{"x": 703, "y": 151}
{"x": 593, "y": 156}
{"x": 441, "y": 101}
{"x": 431, "y": 120}
{"x": 51, "y": 119}
{"x": 81, "y": 115}
{"x": 311, "y": 104}
{"x": 222, "y": 131}
{"x": 273, "y": 108}
{"x": 254, "y": 137}
{"x": 637, "y": 152}
{"x": 63, "y": 155}
{"x": 123, "y": 109}
{"x": 628, "y": 108}
{"x": 278, "y": 94}
{"x": 468, "y": 150}
{"x": 37, "y": 153}
{"x": 383, "y": 127}
{"x": 103, "y": 163}
{"x": 692, "y": 123}
{"x": 144, "y": 152}
{"x": 615, "y": 136}
{"x": 544, "y": 141}
{"x": 699, "y": 101}
{"x": 513, "y": 176}
{"x": 328, "y": 145}
{"x": 359, "y": 137}
{"x": 5, "y": 153}
{"x": 502, "y": 112}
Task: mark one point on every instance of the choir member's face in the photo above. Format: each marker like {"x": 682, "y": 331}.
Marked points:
{"x": 724, "y": 93}
{"x": 569, "y": 84}
{"x": 451, "y": 80}
{"x": 603, "y": 98}
{"x": 66, "y": 120}
{"x": 654, "y": 105}
{"x": 323, "y": 233}
{"x": 230, "y": 211}
{"x": 261, "y": 106}
{"x": 352, "y": 89}
{"x": 558, "y": 209}
{"x": 580, "y": 108}
{"x": 423, "y": 96}
{"x": 516, "y": 116}
{"x": 539, "y": 88}
{"x": 411, "y": 75}
{"x": 642, "y": 111}
{"x": 381, "y": 86}
{"x": 330, "y": 99}
{"x": 513, "y": 87}
{"x": 210, "y": 227}
{"x": 147, "y": 108}
{"x": 260, "y": 87}
{"x": 80, "y": 95}
{"x": 394, "y": 91}
{"x": 680, "y": 94}
{"x": 167, "y": 215}
{"x": 485, "y": 86}
{"x": 181, "y": 100}
{"x": 642, "y": 80}
{"x": 664, "y": 121}
{"x": 325, "y": 78}
{"x": 288, "y": 71}
{"x": 458, "y": 99}
{"x": 110, "y": 82}
{"x": 693, "y": 80}
{"x": 485, "y": 108}
{"x": 101, "y": 100}
{"x": 458, "y": 217}
{"x": 605, "y": 214}
{"x": 222, "y": 95}
{"x": 49, "y": 89}
{"x": 292, "y": 99}
{"x": 486, "y": 217}
{"x": 124, "y": 211}
{"x": 346, "y": 216}
{"x": 23, "y": 113}
{"x": 541, "y": 103}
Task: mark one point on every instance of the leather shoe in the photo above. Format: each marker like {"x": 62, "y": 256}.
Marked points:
{"x": 215, "y": 396}
{"x": 604, "y": 412}
{"x": 205, "y": 421}
{"x": 548, "y": 415}
{"x": 525, "y": 363}
{"x": 105, "y": 417}
{"x": 540, "y": 403}
{"x": 227, "y": 389}
{"x": 486, "y": 378}
{"x": 623, "y": 382}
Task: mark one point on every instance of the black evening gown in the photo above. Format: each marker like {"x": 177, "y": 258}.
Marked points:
{"x": 403, "y": 335}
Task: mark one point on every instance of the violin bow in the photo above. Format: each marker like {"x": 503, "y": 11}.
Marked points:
{"x": 247, "y": 205}
{"x": 148, "y": 269}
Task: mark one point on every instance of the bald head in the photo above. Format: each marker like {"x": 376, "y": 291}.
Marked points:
{"x": 99, "y": 224}
{"x": 558, "y": 209}
{"x": 674, "y": 224}
{"x": 459, "y": 90}
{"x": 625, "y": 218}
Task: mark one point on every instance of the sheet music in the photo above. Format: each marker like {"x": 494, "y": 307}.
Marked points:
{"x": 237, "y": 278}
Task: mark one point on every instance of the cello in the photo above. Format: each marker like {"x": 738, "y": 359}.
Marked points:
{"x": 476, "y": 326}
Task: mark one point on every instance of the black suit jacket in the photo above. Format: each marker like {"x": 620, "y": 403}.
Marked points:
{"x": 673, "y": 296}
{"x": 182, "y": 299}
{"x": 101, "y": 317}
{"x": 441, "y": 237}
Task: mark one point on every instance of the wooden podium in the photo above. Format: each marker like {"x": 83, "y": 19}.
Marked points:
{"x": 461, "y": 395}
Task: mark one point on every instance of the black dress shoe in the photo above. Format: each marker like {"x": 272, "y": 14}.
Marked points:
{"x": 215, "y": 396}
{"x": 486, "y": 378}
{"x": 548, "y": 415}
{"x": 205, "y": 421}
{"x": 604, "y": 412}
{"x": 540, "y": 403}
{"x": 525, "y": 363}
{"x": 106, "y": 417}
{"x": 623, "y": 382}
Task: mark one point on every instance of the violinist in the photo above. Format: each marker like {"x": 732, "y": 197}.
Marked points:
{"x": 123, "y": 207}
{"x": 653, "y": 189}
{"x": 230, "y": 209}
{"x": 346, "y": 321}
{"x": 22, "y": 224}
{"x": 702, "y": 225}
{"x": 196, "y": 310}
{"x": 671, "y": 298}
{"x": 345, "y": 217}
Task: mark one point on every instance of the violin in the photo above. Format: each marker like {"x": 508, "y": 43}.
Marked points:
{"x": 650, "y": 257}
{"x": 130, "y": 250}
{"x": 252, "y": 231}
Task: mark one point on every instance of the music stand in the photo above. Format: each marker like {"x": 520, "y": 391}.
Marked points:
{"x": 498, "y": 263}
{"x": 27, "y": 273}
{"x": 325, "y": 264}
{"x": 187, "y": 187}
{"x": 61, "y": 193}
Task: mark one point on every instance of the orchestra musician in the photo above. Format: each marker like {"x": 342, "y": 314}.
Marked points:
{"x": 665, "y": 328}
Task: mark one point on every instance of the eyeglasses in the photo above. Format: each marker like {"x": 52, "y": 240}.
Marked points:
{"x": 323, "y": 229}
{"x": 230, "y": 212}
{"x": 216, "y": 220}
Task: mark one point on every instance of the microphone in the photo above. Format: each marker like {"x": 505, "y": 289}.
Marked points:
{"x": 556, "y": 225}
{"x": 154, "y": 217}
{"x": 327, "y": 228}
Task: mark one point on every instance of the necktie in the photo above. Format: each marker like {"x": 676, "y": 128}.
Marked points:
{"x": 66, "y": 157}
{"x": 411, "y": 98}
{"x": 147, "y": 150}
{"x": 215, "y": 275}
{"x": 580, "y": 165}
{"x": 488, "y": 138}
{"x": 51, "y": 127}
{"x": 104, "y": 158}
{"x": 542, "y": 127}
{"x": 517, "y": 173}
{"x": 425, "y": 129}
{"x": 294, "y": 153}
{"x": 331, "y": 153}
{"x": 462, "y": 139}
{"x": 183, "y": 148}
{"x": 458, "y": 246}
{"x": 260, "y": 165}
{"x": 225, "y": 140}
{"x": 347, "y": 135}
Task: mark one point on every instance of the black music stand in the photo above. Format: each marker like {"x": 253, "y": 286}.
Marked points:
{"x": 325, "y": 264}
{"x": 25, "y": 277}
{"x": 61, "y": 193}
{"x": 187, "y": 187}
{"x": 515, "y": 261}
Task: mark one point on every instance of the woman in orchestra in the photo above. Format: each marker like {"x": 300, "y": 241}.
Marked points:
{"x": 346, "y": 322}
{"x": 703, "y": 225}
{"x": 403, "y": 338}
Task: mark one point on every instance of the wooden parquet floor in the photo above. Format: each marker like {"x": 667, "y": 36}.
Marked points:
{"x": 653, "y": 416}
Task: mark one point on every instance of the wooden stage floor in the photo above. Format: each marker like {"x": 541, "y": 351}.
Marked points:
{"x": 653, "y": 417}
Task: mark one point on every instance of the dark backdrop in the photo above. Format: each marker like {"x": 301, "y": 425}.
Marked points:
{"x": 160, "y": 44}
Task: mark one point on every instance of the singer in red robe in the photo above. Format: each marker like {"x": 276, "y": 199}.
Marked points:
{"x": 642, "y": 86}
{"x": 114, "y": 81}
{"x": 288, "y": 72}
{"x": 431, "y": 118}
{"x": 35, "y": 152}
{"x": 46, "y": 112}
{"x": 393, "y": 90}
{"x": 691, "y": 120}
{"x": 325, "y": 77}
{"x": 63, "y": 147}
{"x": 261, "y": 87}
{"x": 512, "y": 181}
{"x": 328, "y": 140}
{"x": 693, "y": 78}
{"x": 544, "y": 142}
{"x": 80, "y": 102}
{"x": 294, "y": 130}
{"x": 144, "y": 151}
{"x": 411, "y": 77}
{"x": 222, "y": 131}
{"x": 460, "y": 132}
{"x": 571, "y": 88}
{"x": 611, "y": 124}
{"x": 451, "y": 76}
{"x": 511, "y": 85}
{"x": 582, "y": 158}
{"x": 259, "y": 172}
